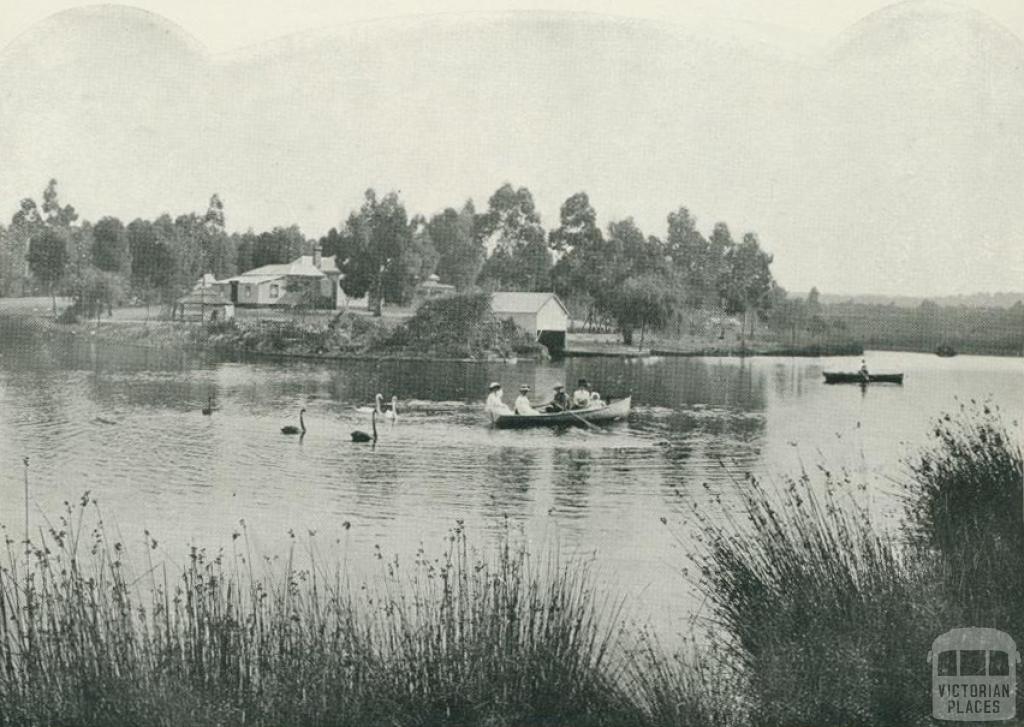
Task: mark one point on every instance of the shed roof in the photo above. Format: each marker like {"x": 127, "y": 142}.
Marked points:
{"x": 513, "y": 302}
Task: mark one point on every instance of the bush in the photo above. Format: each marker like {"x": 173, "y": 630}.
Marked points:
{"x": 461, "y": 326}
{"x": 69, "y": 316}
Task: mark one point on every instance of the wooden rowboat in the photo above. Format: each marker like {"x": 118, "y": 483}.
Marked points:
{"x": 615, "y": 410}
{"x": 832, "y": 377}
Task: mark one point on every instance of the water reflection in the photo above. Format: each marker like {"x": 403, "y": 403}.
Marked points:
{"x": 125, "y": 423}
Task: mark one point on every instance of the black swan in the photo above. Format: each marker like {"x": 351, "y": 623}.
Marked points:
{"x": 208, "y": 409}
{"x": 360, "y": 436}
{"x": 292, "y": 429}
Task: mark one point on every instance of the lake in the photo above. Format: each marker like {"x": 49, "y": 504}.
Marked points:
{"x": 125, "y": 424}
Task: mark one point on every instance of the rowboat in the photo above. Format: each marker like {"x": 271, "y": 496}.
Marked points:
{"x": 612, "y": 411}
{"x": 832, "y": 377}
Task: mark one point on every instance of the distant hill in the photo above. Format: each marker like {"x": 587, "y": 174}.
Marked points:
{"x": 971, "y": 300}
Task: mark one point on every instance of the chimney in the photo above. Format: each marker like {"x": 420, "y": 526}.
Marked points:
{"x": 316, "y": 256}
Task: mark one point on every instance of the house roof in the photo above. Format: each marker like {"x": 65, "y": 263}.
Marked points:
{"x": 300, "y": 267}
{"x": 513, "y": 302}
{"x": 327, "y": 263}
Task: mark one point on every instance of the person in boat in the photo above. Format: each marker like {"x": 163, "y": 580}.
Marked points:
{"x": 495, "y": 406}
{"x": 864, "y": 370}
{"x": 595, "y": 400}
{"x": 581, "y": 397}
{"x": 523, "y": 405}
{"x": 560, "y": 401}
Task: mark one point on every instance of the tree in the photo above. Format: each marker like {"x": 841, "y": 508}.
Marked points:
{"x": 578, "y": 229}
{"x": 460, "y": 251}
{"x": 54, "y": 214}
{"x": 278, "y": 246}
{"x": 746, "y": 281}
{"x": 152, "y": 249}
{"x": 48, "y": 259}
{"x": 96, "y": 290}
{"x": 691, "y": 256}
{"x": 814, "y": 301}
{"x": 581, "y": 244}
{"x": 644, "y": 301}
{"x": 110, "y": 246}
{"x": 25, "y": 223}
{"x": 374, "y": 246}
{"x": 520, "y": 259}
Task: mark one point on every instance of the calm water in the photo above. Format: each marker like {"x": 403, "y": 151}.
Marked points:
{"x": 162, "y": 466}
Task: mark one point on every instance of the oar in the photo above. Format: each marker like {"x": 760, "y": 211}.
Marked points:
{"x": 589, "y": 424}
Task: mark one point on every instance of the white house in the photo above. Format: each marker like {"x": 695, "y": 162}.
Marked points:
{"x": 540, "y": 313}
{"x": 284, "y": 284}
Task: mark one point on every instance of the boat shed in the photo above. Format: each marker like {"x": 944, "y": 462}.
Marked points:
{"x": 205, "y": 304}
{"x": 540, "y": 313}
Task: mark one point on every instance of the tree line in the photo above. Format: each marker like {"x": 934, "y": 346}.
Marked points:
{"x": 617, "y": 275}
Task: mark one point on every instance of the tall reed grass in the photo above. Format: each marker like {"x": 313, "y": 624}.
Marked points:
{"x": 826, "y": 616}
{"x": 460, "y": 640}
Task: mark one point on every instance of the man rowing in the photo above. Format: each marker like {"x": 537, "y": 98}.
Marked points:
{"x": 560, "y": 401}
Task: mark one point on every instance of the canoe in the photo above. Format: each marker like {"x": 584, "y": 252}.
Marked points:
{"x": 945, "y": 350}
{"x": 848, "y": 378}
{"x": 618, "y": 409}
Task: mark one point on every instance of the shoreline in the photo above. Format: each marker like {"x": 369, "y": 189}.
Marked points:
{"x": 187, "y": 337}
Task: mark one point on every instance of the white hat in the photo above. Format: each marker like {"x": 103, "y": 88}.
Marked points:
{"x": 494, "y": 385}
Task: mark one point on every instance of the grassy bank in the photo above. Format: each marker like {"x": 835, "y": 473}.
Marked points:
{"x": 817, "y": 616}
{"x": 455, "y": 327}
{"x": 583, "y": 344}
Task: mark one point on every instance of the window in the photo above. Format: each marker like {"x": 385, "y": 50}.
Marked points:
{"x": 998, "y": 664}
{"x": 274, "y": 290}
{"x": 246, "y": 291}
{"x": 972, "y": 663}
{"x": 947, "y": 664}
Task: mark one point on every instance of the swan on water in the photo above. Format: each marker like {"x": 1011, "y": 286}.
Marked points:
{"x": 361, "y": 436}
{"x": 292, "y": 429}
{"x": 391, "y": 411}
{"x": 377, "y": 406}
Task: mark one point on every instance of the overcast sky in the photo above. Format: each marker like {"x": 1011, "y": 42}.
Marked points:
{"x": 225, "y": 25}
{"x": 875, "y": 148}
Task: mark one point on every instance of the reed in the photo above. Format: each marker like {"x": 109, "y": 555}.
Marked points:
{"x": 463, "y": 639}
{"x": 965, "y": 511}
{"x": 826, "y": 616}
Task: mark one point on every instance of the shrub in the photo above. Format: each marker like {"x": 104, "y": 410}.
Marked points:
{"x": 461, "y": 325}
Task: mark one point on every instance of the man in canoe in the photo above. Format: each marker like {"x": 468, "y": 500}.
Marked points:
{"x": 864, "y": 370}
{"x": 559, "y": 402}
{"x": 495, "y": 406}
{"x": 523, "y": 405}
